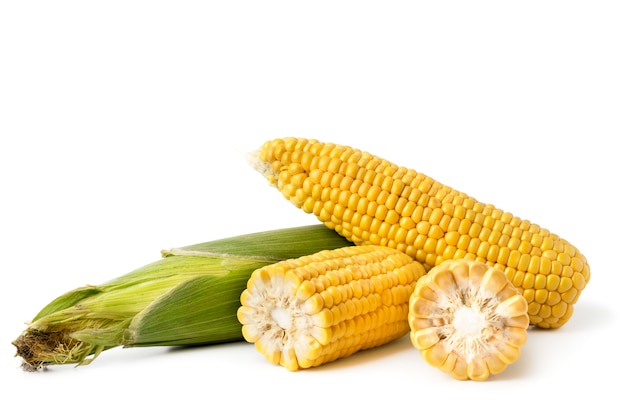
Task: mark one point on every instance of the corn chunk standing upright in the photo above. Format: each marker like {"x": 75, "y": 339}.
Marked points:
{"x": 467, "y": 319}
{"x": 304, "y": 312}
{"x": 370, "y": 200}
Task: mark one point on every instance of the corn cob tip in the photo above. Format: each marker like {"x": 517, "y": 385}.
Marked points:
{"x": 27, "y": 345}
{"x": 38, "y": 349}
{"x": 255, "y": 160}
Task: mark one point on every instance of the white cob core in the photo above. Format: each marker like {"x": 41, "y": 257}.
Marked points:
{"x": 469, "y": 322}
{"x": 281, "y": 317}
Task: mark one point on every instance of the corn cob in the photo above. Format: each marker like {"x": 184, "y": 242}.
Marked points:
{"x": 189, "y": 297}
{"x": 370, "y": 200}
{"x": 305, "y": 312}
{"x": 467, "y": 319}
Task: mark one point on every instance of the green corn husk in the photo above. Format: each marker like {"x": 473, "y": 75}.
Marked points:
{"x": 189, "y": 297}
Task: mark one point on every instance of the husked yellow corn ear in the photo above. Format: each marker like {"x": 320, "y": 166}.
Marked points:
{"x": 467, "y": 319}
{"x": 305, "y": 312}
{"x": 370, "y": 200}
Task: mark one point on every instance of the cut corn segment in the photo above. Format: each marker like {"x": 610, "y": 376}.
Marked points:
{"x": 467, "y": 319}
{"x": 370, "y": 200}
{"x": 304, "y": 312}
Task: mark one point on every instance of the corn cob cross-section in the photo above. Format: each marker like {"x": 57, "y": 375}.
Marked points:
{"x": 467, "y": 319}
{"x": 370, "y": 200}
{"x": 305, "y": 312}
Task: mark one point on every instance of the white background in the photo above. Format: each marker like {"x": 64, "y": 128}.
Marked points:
{"x": 124, "y": 126}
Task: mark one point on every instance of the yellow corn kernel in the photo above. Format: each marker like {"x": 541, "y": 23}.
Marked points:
{"x": 467, "y": 319}
{"x": 305, "y": 312}
{"x": 432, "y": 217}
